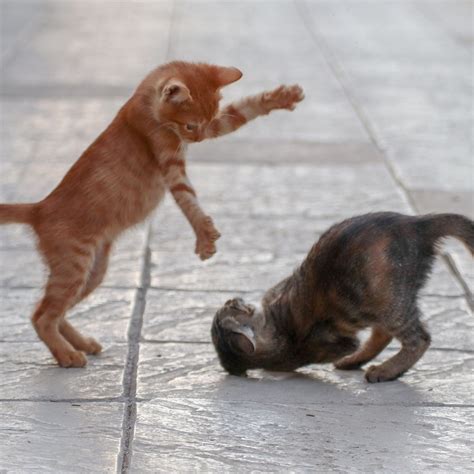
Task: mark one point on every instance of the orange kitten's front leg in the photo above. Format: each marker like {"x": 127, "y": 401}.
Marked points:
{"x": 239, "y": 113}
{"x": 173, "y": 167}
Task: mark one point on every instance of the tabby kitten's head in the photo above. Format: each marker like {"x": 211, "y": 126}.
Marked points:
{"x": 188, "y": 95}
{"x": 248, "y": 339}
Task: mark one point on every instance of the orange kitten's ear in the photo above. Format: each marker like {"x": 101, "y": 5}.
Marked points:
{"x": 227, "y": 75}
{"x": 175, "y": 91}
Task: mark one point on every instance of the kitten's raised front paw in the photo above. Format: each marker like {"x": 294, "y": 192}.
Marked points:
{"x": 283, "y": 97}
{"x": 207, "y": 234}
{"x": 71, "y": 358}
{"x": 379, "y": 373}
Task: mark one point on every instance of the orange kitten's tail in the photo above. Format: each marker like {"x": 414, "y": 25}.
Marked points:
{"x": 16, "y": 213}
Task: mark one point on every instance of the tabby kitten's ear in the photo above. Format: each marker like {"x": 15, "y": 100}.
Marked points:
{"x": 227, "y": 75}
{"x": 242, "y": 343}
{"x": 176, "y": 92}
{"x": 241, "y": 336}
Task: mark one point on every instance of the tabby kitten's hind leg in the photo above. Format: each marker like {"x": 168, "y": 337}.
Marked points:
{"x": 414, "y": 339}
{"x": 377, "y": 342}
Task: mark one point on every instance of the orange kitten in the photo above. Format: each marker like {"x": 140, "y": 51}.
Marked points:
{"x": 121, "y": 178}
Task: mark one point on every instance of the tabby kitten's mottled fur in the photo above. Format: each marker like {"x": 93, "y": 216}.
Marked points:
{"x": 121, "y": 178}
{"x": 363, "y": 272}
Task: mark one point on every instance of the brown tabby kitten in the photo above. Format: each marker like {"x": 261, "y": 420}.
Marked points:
{"x": 121, "y": 178}
{"x": 364, "y": 272}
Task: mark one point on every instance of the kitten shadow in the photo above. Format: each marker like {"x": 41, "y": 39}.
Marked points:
{"x": 317, "y": 385}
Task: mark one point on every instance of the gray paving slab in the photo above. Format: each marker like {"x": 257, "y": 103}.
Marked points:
{"x": 186, "y": 316}
{"x": 415, "y": 99}
{"x": 177, "y": 370}
{"x": 259, "y": 255}
{"x": 454, "y": 17}
{"x": 104, "y": 315}
{"x": 61, "y": 127}
{"x": 29, "y": 372}
{"x": 220, "y": 436}
{"x": 96, "y": 47}
{"x": 59, "y": 437}
{"x": 326, "y": 117}
{"x": 23, "y": 267}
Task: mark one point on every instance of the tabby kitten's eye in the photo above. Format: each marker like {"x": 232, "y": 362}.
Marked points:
{"x": 191, "y": 126}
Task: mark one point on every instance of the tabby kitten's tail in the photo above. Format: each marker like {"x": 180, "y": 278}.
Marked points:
{"x": 16, "y": 213}
{"x": 450, "y": 225}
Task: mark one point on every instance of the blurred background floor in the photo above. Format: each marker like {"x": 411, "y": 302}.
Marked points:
{"x": 386, "y": 125}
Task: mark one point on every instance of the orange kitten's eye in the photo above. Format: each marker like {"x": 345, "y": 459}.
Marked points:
{"x": 191, "y": 126}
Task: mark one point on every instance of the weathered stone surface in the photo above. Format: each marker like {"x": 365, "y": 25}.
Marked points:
{"x": 328, "y": 116}
{"x": 60, "y": 437}
{"x": 170, "y": 370}
{"x": 463, "y": 261}
{"x": 30, "y": 372}
{"x": 232, "y": 151}
{"x": 296, "y": 189}
{"x": 183, "y": 316}
{"x": 97, "y": 47}
{"x": 23, "y": 267}
{"x": 415, "y": 100}
{"x": 252, "y": 270}
{"x": 220, "y": 436}
{"x": 186, "y": 316}
{"x": 105, "y": 314}
{"x": 452, "y": 17}
{"x": 457, "y": 201}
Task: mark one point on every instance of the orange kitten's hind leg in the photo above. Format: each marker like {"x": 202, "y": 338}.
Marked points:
{"x": 70, "y": 267}
{"x": 88, "y": 344}
{"x": 46, "y": 321}
{"x": 85, "y": 344}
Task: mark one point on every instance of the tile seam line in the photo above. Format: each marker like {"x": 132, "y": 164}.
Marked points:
{"x": 311, "y": 404}
{"x": 131, "y": 365}
{"x": 125, "y": 453}
{"x": 342, "y": 78}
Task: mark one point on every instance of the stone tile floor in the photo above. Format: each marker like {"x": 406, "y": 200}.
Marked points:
{"x": 386, "y": 125}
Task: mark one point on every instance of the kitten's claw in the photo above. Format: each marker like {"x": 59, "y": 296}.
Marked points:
{"x": 284, "y": 97}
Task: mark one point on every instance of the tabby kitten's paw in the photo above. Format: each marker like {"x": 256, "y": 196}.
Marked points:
{"x": 348, "y": 363}
{"x": 379, "y": 373}
{"x": 283, "y": 97}
{"x": 207, "y": 234}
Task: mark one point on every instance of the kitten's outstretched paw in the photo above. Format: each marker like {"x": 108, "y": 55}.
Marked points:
{"x": 284, "y": 97}
{"x": 207, "y": 234}
{"x": 71, "y": 358}
{"x": 379, "y": 373}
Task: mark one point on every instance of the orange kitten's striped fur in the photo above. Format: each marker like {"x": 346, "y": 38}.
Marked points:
{"x": 121, "y": 178}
